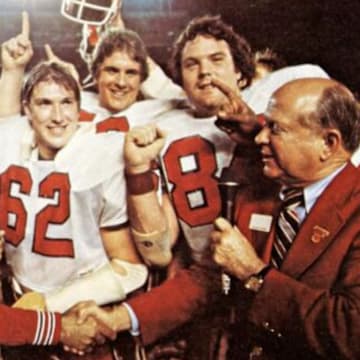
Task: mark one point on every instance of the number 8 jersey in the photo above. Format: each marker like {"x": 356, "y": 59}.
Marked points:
{"x": 52, "y": 211}
{"x": 195, "y": 153}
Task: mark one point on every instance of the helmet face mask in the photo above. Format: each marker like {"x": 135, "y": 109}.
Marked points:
{"x": 90, "y": 12}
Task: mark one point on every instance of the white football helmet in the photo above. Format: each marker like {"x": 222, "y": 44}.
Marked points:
{"x": 90, "y": 12}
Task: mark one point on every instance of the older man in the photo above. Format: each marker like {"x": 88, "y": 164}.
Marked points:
{"x": 295, "y": 264}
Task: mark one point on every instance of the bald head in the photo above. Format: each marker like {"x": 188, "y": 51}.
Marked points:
{"x": 322, "y": 103}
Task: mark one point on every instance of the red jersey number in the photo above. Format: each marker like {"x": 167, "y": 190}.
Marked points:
{"x": 191, "y": 166}
{"x": 11, "y": 205}
{"x": 54, "y": 186}
{"x": 119, "y": 123}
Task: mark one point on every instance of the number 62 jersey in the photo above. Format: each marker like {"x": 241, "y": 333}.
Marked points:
{"x": 52, "y": 211}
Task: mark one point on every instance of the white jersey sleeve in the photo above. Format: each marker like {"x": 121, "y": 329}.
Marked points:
{"x": 139, "y": 113}
{"x": 258, "y": 95}
{"x": 159, "y": 86}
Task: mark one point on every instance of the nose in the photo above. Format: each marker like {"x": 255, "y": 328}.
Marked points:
{"x": 205, "y": 68}
{"x": 120, "y": 79}
{"x": 263, "y": 136}
{"x": 57, "y": 115}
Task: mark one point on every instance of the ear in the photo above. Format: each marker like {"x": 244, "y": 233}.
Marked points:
{"x": 332, "y": 143}
{"x": 27, "y": 111}
{"x": 240, "y": 80}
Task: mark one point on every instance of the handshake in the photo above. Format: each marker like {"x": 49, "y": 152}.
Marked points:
{"x": 86, "y": 325}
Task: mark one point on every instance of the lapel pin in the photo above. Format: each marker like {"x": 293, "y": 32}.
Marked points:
{"x": 319, "y": 233}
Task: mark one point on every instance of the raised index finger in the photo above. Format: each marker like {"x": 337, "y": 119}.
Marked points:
{"x": 229, "y": 92}
{"x": 25, "y": 25}
{"x": 49, "y": 53}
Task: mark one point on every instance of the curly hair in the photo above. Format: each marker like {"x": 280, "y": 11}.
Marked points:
{"x": 213, "y": 26}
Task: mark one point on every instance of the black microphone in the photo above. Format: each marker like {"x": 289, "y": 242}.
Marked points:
{"x": 228, "y": 191}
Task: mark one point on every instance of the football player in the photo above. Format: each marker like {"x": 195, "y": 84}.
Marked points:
{"x": 63, "y": 208}
{"x": 213, "y": 64}
{"x": 194, "y": 155}
{"x": 119, "y": 67}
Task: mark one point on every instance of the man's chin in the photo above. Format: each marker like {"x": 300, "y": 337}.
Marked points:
{"x": 271, "y": 173}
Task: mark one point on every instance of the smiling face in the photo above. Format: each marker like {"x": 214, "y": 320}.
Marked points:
{"x": 53, "y": 112}
{"x": 118, "y": 81}
{"x": 203, "y": 59}
{"x": 292, "y": 152}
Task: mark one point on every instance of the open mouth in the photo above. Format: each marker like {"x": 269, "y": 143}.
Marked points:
{"x": 265, "y": 156}
{"x": 118, "y": 94}
{"x": 57, "y": 130}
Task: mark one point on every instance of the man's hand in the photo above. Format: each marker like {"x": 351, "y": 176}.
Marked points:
{"x": 233, "y": 252}
{"x": 142, "y": 146}
{"x": 235, "y": 118}
{"x": 17, "y": 52}
{"x": 115, "y": 318}
{"x": 80, "y": 335}
{"x": 52, "y": 58}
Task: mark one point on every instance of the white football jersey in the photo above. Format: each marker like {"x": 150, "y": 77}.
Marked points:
{"x": 139, "y": 113}
{"x": 258, "y": 95}
{"x": 196, "y": 152}
{"x": 193, "y": 158}
{"x": 51, "y": 211}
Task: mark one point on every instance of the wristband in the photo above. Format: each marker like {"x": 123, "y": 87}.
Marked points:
{"x": 138, "y": 184}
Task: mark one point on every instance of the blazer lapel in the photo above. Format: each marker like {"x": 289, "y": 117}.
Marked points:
{"x": 322, "y": 223}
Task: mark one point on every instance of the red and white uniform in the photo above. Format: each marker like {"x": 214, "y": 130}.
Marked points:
{"x": 51, "y": 211}
{"x": 139, "y": 113}
{"x": 195, "y": 153}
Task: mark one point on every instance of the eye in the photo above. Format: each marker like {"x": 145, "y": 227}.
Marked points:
{"x": 111, "y": 70}
{"x": 274, "y": 127}
{"x": 189, "y": 64}
{"x": 43, "y": 102}
{"x": 218, "y": 58}
{"x": 68, "y": 101}
{"x": 132, "y": 72}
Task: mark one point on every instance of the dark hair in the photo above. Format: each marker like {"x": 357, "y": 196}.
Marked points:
{"x": 213, "y": 26}
{"x": 120, "y": 40}
{"x": 49, "y": 71}
{"x": 338, "y": 108}
{"x": 270, "y": 59}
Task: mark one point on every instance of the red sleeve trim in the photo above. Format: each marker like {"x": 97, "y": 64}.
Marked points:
{"x": 47, "y": 324}
{"x": 20, "y": 327}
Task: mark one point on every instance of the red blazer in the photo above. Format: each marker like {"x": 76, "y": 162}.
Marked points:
{"x": 310, "y": 308}
{"x": 21, "y": 327}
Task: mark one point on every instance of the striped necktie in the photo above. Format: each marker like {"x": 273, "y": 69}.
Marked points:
{"x": 287, "y": 225}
